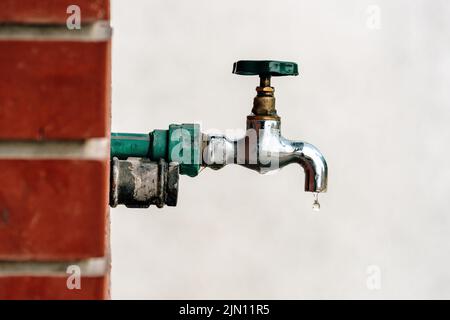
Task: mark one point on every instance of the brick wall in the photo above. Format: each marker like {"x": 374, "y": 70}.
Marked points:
{"x": 54, "y": 150}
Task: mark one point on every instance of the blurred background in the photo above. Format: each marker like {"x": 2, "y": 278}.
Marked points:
{"x": 372, "y": 95}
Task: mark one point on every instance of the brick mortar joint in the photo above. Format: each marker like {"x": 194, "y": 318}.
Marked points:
{"x": 89, "y": 149}
{"x": 92, "y": 267}
{"x": 92, "y": 32}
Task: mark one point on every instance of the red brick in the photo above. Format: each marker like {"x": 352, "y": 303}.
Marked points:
{"x": 53, "y": 209}
{"x": 52, "y": 288}
{"x": 51, "y": 11}
{"x": 54, "y": 90}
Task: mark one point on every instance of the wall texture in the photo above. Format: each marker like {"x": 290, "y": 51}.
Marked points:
{"x": 54, "y": 129}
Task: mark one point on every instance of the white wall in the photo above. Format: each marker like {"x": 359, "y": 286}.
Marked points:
{"x": 376, "y": 103}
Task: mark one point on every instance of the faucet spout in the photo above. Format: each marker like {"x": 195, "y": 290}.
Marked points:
{"x": 313, "y": 163}
{"x": 263, "y": 149}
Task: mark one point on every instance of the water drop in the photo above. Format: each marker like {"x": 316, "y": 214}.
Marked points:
{"x": 316, "y": 204}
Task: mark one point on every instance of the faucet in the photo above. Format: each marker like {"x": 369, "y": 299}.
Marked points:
{"x": 264, "y": 149}
{"x": 145, "y": 167}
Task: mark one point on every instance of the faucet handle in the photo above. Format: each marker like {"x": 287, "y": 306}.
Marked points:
{"x": 265, "y": 68}
{"x": 264, "y": 102}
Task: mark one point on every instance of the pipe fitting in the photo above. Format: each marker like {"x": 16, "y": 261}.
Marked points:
{"x": 139, "y": 183}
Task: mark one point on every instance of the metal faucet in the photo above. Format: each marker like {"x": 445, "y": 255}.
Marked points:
{"x": 271, "y": 152}
{"x": 264, "y": 149}
{"x": 145, "y": 167}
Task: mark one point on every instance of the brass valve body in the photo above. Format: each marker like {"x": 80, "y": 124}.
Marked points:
{"x": 264, "y": 102}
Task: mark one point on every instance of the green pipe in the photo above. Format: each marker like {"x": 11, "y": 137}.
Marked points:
{"x": 181, "y": 143}
{"x": 124, "y": 145}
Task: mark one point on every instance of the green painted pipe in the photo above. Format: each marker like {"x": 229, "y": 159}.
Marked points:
{"x": 124, "y": 145}
{"x": 181, "y": 143}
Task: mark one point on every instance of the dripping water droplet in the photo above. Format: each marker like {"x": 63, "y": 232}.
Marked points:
{"x": 316, "y": 204}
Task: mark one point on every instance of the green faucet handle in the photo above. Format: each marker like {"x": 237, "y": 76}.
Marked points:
{"x": 265, "y": 68}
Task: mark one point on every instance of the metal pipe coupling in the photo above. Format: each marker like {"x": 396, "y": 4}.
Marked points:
{"x": 140, "y": 182}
